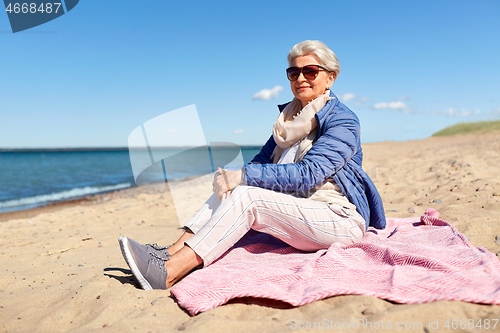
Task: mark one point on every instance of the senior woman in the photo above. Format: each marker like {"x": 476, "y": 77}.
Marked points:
{"x": 305, "y": 187}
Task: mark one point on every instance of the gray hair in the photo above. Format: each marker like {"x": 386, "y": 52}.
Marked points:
{"x": 326, "y": 57}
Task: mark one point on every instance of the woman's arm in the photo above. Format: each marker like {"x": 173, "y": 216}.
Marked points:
{"x": 226, "y": 180}
{"x": 334, "y": 148}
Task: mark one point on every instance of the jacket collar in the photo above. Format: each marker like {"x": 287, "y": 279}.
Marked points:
{"x": 330, "y": 105}
{"x": 281, "y": 107}
{"x": 327, "y": 106}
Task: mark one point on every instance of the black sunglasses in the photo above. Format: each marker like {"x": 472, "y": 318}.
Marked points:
{"x": 310, "y": 72}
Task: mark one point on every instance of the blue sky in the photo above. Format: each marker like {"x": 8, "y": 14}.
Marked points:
{"x": 90, "y": 77}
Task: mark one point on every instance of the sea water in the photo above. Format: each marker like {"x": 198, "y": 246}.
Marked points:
{"x": 35, "y": 178}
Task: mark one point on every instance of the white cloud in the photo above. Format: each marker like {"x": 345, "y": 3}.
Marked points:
{"x": 398, "y": 105}
{"x": 347, "y": 96}
{"x": 358, "y": 101}
{"x": 238, "y": 131}
{"x": 460, "y": 113}
{"x": 267, "y": 94}
{"x": 495, "y": 112}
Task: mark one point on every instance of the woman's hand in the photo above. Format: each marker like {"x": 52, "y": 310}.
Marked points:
{"x": 225, "y": 181}
{"x": 224, "y": 196}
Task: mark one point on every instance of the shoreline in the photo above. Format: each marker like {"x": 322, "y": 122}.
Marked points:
{"x": 93, "y": 199}
{"x": 78, "y": 189}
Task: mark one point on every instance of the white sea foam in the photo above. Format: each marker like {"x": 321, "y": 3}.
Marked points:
{"x": 61, "y": 196}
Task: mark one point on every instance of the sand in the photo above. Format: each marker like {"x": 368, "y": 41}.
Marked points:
{"x": 62, "y": 269}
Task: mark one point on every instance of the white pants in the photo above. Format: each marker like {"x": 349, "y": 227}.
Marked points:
{"x": 303, "y": 223}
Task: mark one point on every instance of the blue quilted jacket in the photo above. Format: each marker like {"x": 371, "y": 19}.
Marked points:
{"x": 335, "y": 153}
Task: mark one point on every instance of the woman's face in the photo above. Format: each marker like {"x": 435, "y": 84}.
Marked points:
{"x": 307, "y": 90}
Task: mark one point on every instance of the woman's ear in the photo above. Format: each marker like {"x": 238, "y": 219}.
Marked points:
{"x": 330, "y": 79}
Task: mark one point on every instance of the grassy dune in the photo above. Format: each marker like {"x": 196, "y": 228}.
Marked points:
{"x": 470, "y": 128}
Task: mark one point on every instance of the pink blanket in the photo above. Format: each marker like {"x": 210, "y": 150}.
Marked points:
{"x": 412, "y": 261}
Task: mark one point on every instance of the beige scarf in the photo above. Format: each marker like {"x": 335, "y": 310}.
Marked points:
{"x": 294, "y": 124}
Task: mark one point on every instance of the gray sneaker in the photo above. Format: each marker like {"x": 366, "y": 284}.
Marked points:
{"x": 160, "y": 251}
{"x": 148, "y": 267}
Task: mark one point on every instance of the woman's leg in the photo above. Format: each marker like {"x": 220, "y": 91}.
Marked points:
{"x": 304, "y": 224}
{"x": 180, "y": 242}
{"x": 196, "y": 222}
{"x": 180, "y": 264}
{"x": 150, "y": 263}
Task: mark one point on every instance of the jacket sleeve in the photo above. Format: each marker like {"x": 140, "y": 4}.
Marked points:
{"x": 334, "y": 148}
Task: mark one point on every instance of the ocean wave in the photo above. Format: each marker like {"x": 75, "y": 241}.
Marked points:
{"x": 39, "y": 200}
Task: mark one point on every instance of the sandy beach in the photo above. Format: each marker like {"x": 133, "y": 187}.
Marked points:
{"x": 62, "y": 269}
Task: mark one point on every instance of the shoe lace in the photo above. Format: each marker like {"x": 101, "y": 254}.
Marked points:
{"x": 157, "y": 247}
{"x": 159, "y": 261}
